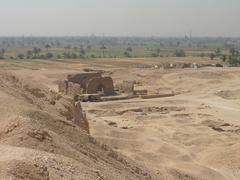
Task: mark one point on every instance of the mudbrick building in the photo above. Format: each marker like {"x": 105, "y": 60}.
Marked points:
{"x": 87, "y": 83}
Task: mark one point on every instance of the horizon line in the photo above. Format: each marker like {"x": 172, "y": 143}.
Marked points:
{"x": 111, "y": 36}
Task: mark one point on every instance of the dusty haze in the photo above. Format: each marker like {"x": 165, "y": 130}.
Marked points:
{"x": 120, "y": 17}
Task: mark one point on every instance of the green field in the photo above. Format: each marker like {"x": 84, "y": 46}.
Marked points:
{"x": 113, "y": 47}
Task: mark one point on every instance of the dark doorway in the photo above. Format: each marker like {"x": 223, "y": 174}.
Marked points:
{"x": 100, "y": 89}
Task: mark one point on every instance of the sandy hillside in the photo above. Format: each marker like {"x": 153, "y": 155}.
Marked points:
{"x": 193, "y": 135}
{"x": 38, "y": 143}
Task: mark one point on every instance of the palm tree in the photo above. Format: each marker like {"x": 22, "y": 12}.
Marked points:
{"x": 36, "y": 51}
{"x": 82, "y": 52}
{"x": 47, "y": 46}
{"x": 103, "y": 47}
{"x": 212, "y": 56}
{"x": 89, "y": 47}
{"x": 232, "y": 51}
{"x": 218, "y": 52}
{"x": 129, "y": 49}
{"x": 2, "y": 52}
{"x": 29, "y": 54}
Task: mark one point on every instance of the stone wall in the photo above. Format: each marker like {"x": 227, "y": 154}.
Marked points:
{"x": 127, "y": 87}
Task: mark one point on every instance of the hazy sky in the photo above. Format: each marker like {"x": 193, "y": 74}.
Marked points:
{"x": 120, "y": 17}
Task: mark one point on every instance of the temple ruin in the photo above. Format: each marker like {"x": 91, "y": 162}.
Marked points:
{"x": 87, "y": 83}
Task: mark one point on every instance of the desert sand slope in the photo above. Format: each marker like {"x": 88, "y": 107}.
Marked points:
{"x": 191, "y": 136}
{"x": 194, "y": 135}
{"x": 37, "y": 143}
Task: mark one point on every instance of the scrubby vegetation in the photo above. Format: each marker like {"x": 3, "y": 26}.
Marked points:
{"x": 226, "y": 49}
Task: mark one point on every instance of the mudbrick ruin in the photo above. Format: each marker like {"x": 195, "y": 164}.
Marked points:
{"x": 93, "y": 87}
{"x": 87, "y": 83}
